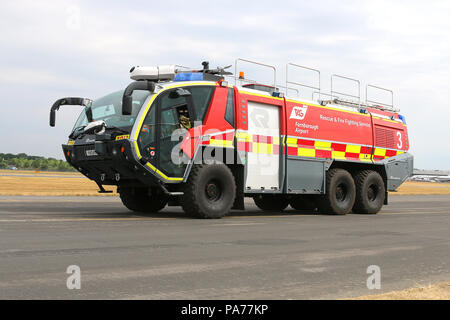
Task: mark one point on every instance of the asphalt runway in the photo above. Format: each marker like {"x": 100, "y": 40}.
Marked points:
{"x": 247, "y": 255}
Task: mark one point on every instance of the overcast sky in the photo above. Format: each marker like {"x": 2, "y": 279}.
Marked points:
{"x": 53, "y": 49}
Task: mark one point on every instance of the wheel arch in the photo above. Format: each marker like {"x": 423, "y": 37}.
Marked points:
{"x": 229, "y": 157}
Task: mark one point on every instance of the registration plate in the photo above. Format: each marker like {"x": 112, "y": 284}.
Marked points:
{"x": 91, "y": 153}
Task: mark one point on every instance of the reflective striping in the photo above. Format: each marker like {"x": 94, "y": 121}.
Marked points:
{"x": 136, "y": 149}
{"x": 380, "y": 152}
{"x": 335, "y": 150}
{"x": 322, "y": 145}
{"x": 255, "y": 143}
{"x": 306, "y": 152}
{"x": 338, "y": 155}
{"x": 219, "y": 143}
{"x": 353, "y": 148}
{"x": 160, "y": 173}
{"x": 223, "y": 139}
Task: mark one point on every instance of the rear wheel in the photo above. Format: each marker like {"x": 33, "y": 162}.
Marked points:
{"x": 370, "y": 192}
{"x": 271, "y": 202}
{"x": 209, "y": 191}
{"x": 340, "y": 193}
{"x": 138, "y": 199}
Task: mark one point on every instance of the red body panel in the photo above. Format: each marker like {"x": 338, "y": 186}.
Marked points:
{"x": 323, "y": 123}
{"x": 307, "y": 129}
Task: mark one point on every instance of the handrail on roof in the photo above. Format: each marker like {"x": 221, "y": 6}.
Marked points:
{"x": 257, "y": 63}
{"x": 298, "y": 83}
{"x": 343, "y": 93}
{"x": 388, "y": 106}
{"x": 334, "y": 95}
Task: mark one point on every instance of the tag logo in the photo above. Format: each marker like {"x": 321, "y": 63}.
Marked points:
{"x": 298, "y": 113}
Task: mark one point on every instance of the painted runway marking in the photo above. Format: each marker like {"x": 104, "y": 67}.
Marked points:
{"x": 84, "y": 219}
{"x": 236, "y": 224}
{"x": 183, "y": 217}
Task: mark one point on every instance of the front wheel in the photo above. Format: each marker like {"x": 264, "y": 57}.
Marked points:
{"x": 138, "y": 199}
{"x": 209, "y": 191}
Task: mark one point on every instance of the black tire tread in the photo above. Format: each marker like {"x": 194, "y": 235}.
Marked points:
{"x": 190, "y": 204}
{"x": 359, "y": 206}
{"x": 140, "y": 203}
{"x": 324, "y": 203}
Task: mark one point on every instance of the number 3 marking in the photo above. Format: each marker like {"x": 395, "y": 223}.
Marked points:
{"x": 399, "y": 143}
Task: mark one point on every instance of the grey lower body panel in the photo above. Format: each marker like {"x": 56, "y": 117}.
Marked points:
{"x": 306, "y": 175}
{"x": 398, "y": 169}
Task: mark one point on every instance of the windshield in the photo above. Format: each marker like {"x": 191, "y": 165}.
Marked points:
{"x": 109, "y": 109}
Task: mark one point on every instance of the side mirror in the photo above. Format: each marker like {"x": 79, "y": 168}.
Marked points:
{"x": 52, "y": 117}
{"x": 127, "y": 99}
{"x": 68, "y": 101}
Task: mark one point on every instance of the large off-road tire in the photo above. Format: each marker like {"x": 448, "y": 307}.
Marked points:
{"x": 137, "y": 199}
{"x": 370, "y": 192}
{"x": 209, "y": 191}
{"x": 340, "y": 193}
{"x": 271, "y": 202}
{"x": 303, "y": 203}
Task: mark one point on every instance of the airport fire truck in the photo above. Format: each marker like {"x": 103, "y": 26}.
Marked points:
{"x": 205, "y": 139}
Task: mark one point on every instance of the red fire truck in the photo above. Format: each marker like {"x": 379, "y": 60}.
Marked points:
{"x": 193, "y": 138}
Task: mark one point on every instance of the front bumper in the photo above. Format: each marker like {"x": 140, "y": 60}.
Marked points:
{"x": 109, "y": 163}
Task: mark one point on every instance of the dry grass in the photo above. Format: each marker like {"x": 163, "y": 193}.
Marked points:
{"x": 414, "y": 187}
{"x": 30, "y": 183}
{"x": 47, "y": 183}
{"x": 439, "y": 291}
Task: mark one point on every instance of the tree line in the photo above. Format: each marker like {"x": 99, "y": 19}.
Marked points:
{"x": 26, "y": 162}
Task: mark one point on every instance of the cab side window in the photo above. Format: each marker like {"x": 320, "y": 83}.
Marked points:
{"x": 146, "y": 138}
{"x": 201, "y": 95}
{"x": 229, "y": 112}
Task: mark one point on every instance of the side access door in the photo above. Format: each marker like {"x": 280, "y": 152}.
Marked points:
{"x": 263, "y": 159}
{"x": 170, "y": 117}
